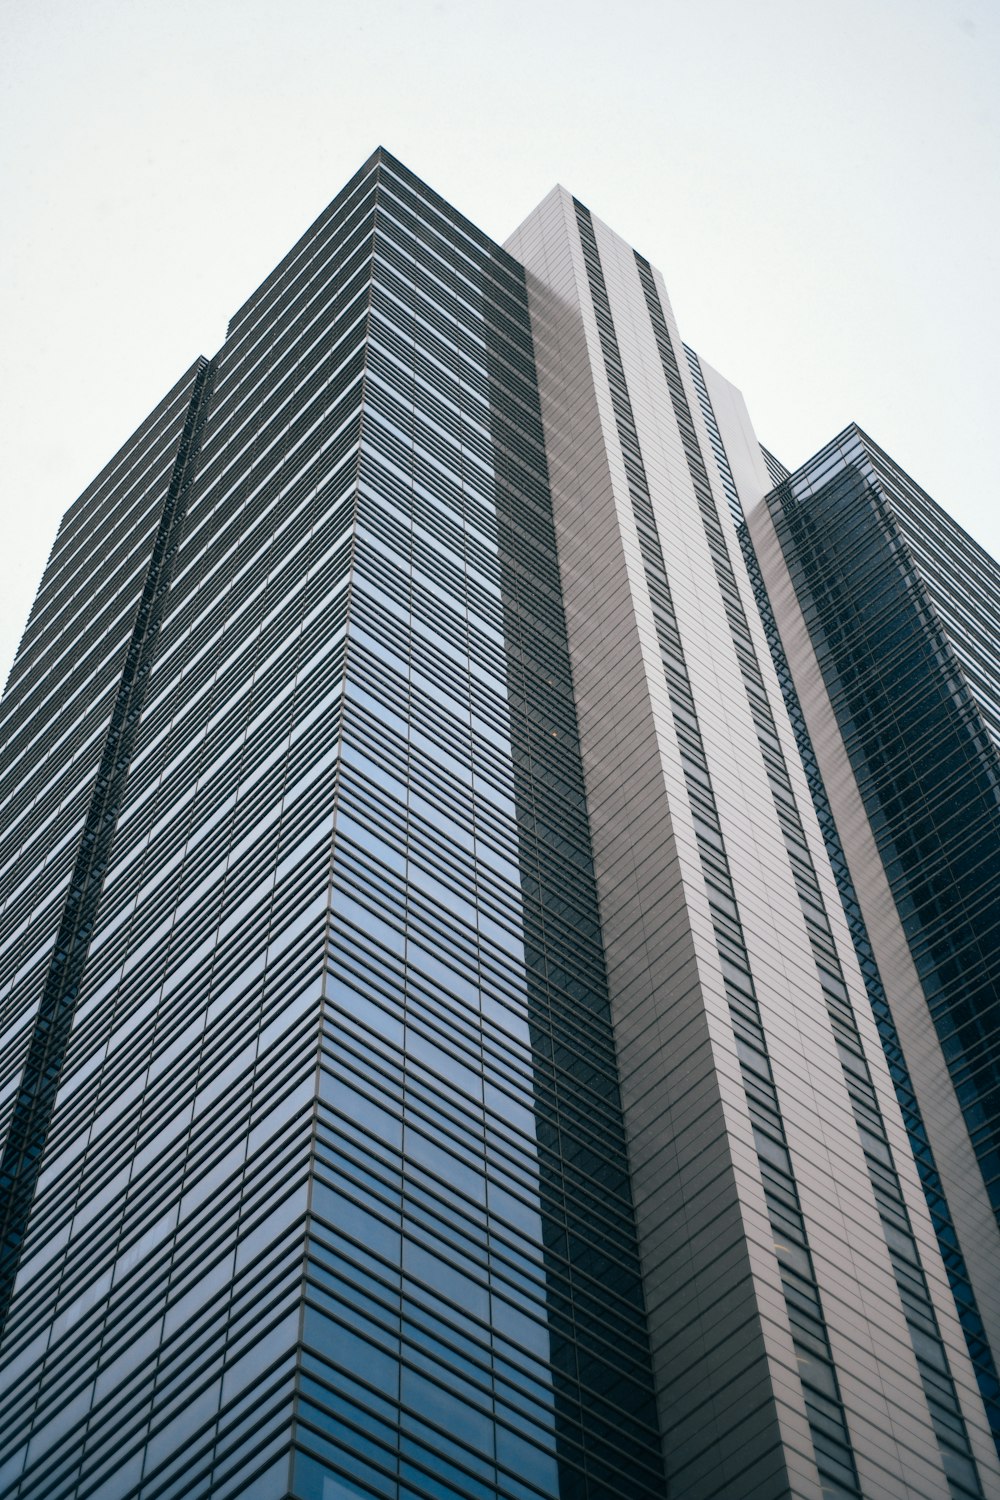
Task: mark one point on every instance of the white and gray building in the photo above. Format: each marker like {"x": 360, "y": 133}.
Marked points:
{"x": 736, "y": 989}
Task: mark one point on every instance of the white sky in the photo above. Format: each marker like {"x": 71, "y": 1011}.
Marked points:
{"x": 817, "y": 179}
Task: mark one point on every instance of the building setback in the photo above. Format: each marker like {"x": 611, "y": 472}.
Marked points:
{"x": 440, "y": 1054}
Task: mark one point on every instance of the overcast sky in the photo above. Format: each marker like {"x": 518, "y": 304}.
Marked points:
{"x": 817, "y": 179}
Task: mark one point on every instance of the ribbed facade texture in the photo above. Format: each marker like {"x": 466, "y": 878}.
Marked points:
{"x": 456, "y": 1038}
{"x": 891, "y": 616}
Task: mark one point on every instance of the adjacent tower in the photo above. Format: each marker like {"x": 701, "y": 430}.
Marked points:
{"x": 888, "y": 612}
{"x": 435, "y": 1058}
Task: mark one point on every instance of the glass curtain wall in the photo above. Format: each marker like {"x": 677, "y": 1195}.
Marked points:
{"x": 334, "y": 1198}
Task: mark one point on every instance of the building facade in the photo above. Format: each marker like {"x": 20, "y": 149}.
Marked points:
{"x": 437, "y": 1056}
{"x": 889, "y": 612}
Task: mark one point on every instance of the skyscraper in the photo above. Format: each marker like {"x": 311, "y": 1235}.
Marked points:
{"x": 890, "y": 612}
{"x": 436, "y": 1060}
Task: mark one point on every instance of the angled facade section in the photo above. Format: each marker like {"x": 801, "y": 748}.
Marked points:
{"x": 734, "y": 984}
{"x": 888, "y": 612}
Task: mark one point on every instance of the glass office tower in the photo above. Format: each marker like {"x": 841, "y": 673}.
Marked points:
{"x": 889, "y": 612}
{"x": 435, "y": 1062}
{"x": 334, "y": 1196}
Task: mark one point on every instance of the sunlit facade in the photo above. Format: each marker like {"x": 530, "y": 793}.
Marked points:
{"x": 436, "y": 1060}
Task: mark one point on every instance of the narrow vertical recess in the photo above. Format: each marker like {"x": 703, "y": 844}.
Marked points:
{"x": 32, "y": 1115}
